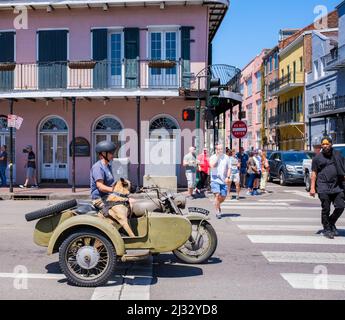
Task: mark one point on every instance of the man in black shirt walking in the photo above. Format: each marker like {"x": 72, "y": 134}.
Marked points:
{"x": 327, "y": 180}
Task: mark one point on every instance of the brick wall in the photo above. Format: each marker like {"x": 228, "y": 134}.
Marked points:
{"x": 308, "y": 53}
{"x": 333, "y": 21}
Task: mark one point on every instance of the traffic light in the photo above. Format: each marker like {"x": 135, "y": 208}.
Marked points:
{"x": 188, "y": 115}
{"x": 214, "y": 93}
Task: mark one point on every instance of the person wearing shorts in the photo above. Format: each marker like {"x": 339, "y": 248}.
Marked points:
{"x": 30, "y": 168}
{"x": 220, "y": 170}
{"x": 234, "y": 176}
{"x": 190, "y": 163}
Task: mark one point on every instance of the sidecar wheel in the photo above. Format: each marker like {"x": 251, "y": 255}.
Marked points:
{"x": 203, "y": 248}
{"x": 87, "y": 258}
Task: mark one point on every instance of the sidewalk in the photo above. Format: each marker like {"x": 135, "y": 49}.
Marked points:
{"x": 47, "y": 194}
{"x": 44, "y": 194}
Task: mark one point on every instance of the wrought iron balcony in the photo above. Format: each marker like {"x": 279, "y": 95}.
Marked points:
{"x": 289, "y": 118}
{"x": 286, "y": 83}
{"x": 335, "y": 60}
{"x": 327, "y": 106}
{"x": 91, "y": 75}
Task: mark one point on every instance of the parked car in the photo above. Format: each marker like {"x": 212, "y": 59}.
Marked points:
{"x": 287, "y": 166}
{"x": 341, "y": 148}
{"x": 307, "y": 166}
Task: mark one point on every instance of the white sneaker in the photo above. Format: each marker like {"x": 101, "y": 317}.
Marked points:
{"x": 219, "y": 215}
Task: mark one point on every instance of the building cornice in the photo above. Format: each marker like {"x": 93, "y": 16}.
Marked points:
{"x": 300, "y": 38}
{"x": 216, "y": 8}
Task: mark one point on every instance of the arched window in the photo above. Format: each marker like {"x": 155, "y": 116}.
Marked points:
{"x": 54, "y": 124}
{"x": 53, "y": 151}
{"x": 108, "y": 129}
{"x": 3, "y": 124}
{"x": 5, "y": 136}
{"x": 163, "y": 123}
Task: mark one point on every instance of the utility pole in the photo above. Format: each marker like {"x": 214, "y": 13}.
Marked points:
{"x": 73, "y": 144}
{"x": 197, "y": 114}
{"x": 11, "y": 149}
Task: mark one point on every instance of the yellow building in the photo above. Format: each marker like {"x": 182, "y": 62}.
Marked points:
{"x": 290, "y": 92}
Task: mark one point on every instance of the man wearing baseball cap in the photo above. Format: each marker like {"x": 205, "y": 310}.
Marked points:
{"x": 327, "y": 180}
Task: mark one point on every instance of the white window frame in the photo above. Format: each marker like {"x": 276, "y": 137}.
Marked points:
{"x": 118, "y": 30}
{"x": 163, "y": 30}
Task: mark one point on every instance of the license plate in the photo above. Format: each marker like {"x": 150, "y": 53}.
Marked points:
{"x": 199, "y": 210}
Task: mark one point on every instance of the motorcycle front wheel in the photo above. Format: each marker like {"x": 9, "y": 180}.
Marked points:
{"x": 200, "y": 247}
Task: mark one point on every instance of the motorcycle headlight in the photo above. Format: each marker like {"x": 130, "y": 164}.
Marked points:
{"x": 290, "y": 168}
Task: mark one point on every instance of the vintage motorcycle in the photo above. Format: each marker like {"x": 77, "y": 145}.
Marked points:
{"x": 89, "y": 247}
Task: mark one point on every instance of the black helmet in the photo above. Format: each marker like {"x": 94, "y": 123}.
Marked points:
{"x": 105, "y": 146}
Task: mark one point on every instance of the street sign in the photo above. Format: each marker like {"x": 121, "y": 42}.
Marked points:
{"x": 239, "y": 129}
{"x": 11, "y": 121}
{"x": 14, "y": 121}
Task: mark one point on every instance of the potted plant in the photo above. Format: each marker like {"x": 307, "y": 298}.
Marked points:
{"x": 7, "y": 66}
{"x": 165, "y": 64}
{"x": 81, "y": 64}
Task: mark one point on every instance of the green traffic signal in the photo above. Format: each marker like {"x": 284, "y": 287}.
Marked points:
{"x": 214, "y": 92}
{"x": 214, "y": 102}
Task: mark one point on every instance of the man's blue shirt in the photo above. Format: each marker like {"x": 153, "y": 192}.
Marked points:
{"x": 99, "y": 171}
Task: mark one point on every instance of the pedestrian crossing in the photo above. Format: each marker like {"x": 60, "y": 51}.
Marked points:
{"x": 290, "y": 226}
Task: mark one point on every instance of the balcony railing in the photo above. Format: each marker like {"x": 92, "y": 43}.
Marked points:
{"x": 289, "y": 117}
{"x": 101, "y": 75}
{"x": 291, "y": 79}
{"x": 327, "y": 106}
{"x": 335, "y": 59}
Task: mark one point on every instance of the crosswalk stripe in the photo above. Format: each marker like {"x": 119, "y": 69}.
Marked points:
{"x": 304, "y": 257}
{"x": 254, "y": 204}
{"x": 43, "y": 276}
{"x": 300, "y": 193}
{"x": 274, "y": 219}
{"x": 286, "y": 239}
{"x": 239, "y": 207}
{"x": 261, "y": 227}
{"x": 315, "y": 281}
{"x": 134, "y": 285}
{"x": 280, "y": 200}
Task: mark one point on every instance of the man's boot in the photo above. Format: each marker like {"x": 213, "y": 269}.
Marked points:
{"x": 328, "y": 233}
{"x": 335, "y": 231}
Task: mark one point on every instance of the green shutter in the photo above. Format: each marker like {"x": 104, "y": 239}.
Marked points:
{"x": 185, "y": 56}
{"x": 131, "y": 57}
{"x": 52, "y": 59}
{"x": 100, "y": 54}
{"x": 7, "y": 55}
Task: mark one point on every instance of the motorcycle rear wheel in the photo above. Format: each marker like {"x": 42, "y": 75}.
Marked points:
{"x": 204, "y": 246}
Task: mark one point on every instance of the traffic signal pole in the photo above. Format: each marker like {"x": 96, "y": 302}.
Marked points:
{"x": 197, "y": 109}
{"x": 197, "y": 114}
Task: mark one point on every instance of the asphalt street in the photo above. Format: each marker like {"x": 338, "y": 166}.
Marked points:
{"x": 269, "y": 247}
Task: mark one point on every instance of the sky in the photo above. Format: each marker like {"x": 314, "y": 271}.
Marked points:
{"x": 252, "y": 25}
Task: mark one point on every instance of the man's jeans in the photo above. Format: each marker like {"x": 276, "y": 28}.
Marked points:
{"x": 3, "y": 176}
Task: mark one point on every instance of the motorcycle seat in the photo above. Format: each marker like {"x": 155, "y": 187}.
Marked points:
{"x": 85, "y": 208}
{"x": 140, "y": 207}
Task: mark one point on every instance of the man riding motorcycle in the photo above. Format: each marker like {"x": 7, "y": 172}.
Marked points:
{"x": 105, "y": 191}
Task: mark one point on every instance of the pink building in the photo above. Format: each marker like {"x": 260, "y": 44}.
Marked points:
{"x": 251, "y": 86}
{"x": 117, "y": 64}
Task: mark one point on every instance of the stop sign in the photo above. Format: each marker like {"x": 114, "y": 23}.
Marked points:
{"x": 239, "y": 129}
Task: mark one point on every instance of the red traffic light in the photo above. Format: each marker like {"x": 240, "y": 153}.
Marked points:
{"x": 188, "y": 115}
